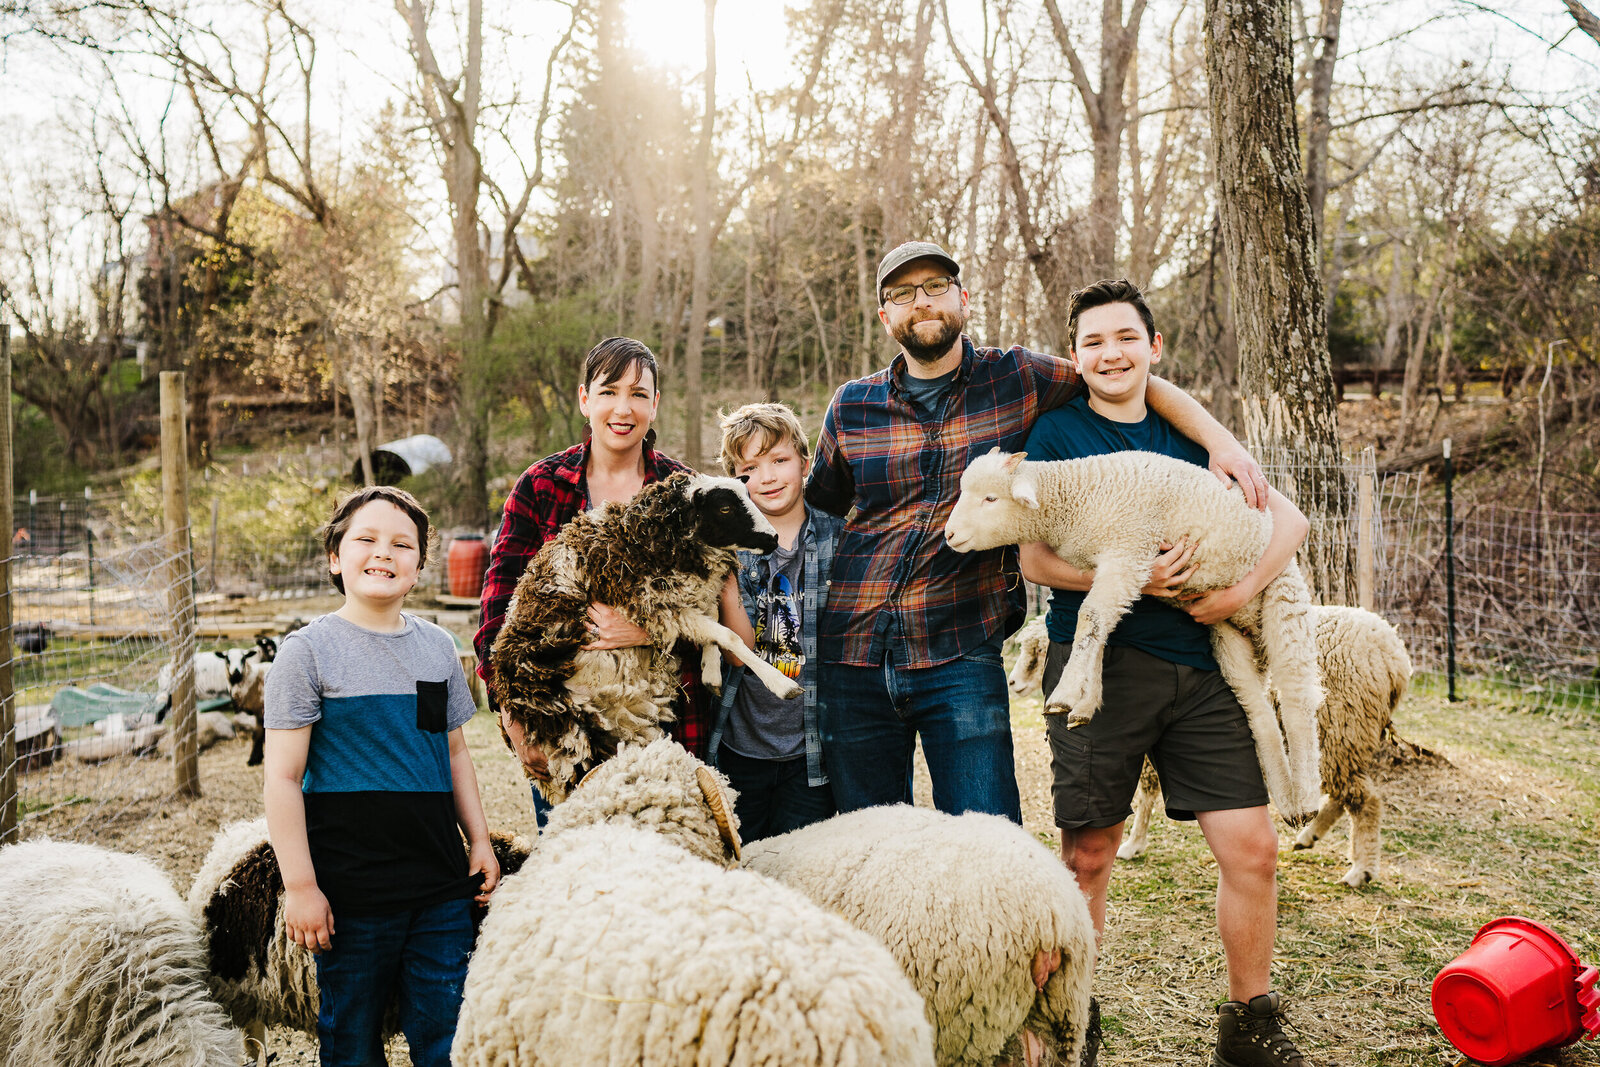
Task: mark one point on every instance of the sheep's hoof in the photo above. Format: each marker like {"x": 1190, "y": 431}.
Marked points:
{"x": 1356, "y": 877}
{"x": 1130, "y": 851}
{"x": 1076, "y": 719}
{"x": 1056, "y": 709}
{"x": 1305, "y": 840}
{"x": 1294, "y": 822}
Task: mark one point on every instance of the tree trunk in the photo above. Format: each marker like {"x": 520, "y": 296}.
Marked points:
{"x": 693, "y": 400}
{"x": 1284, "y": 373}
{"x": 1318, "y": 126}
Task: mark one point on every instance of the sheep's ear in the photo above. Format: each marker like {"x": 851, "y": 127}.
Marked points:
{"x": 223, "y": 656}
{"x": 1014, "y": 462}
{"x": 717, "y": 800}
{"x": 247, "y": 655}
{"x": 1026, "y": 493}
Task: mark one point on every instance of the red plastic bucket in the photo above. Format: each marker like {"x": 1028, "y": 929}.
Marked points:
{"x": 1519, "y": 988}
{"x": 467, "y": 560}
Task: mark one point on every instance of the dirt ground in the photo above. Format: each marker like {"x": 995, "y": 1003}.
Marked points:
{"x": 1506, "y": 823}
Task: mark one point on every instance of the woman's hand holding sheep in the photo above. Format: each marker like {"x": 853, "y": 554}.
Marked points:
{"x": 531, "y": 757}
{"x": 1218, "y": 604}
{"x": 307, "y": 918}
{"x": 610, "y": 629}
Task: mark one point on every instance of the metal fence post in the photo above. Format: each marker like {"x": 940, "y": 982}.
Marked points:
{"x": 1450, "y": 570}
{"x": 8, "y": 711}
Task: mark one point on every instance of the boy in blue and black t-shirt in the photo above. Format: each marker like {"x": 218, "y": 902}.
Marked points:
{"x": 369, "y": 789}
{"x": 1164, "y": 696}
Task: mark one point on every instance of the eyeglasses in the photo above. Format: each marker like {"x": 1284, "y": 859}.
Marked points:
{"x": 904, "y": 294}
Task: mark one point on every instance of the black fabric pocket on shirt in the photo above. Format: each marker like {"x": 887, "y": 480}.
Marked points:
{"x": 433, "y": 698}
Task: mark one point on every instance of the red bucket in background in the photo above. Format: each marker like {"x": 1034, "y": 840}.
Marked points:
{"x": 464, "y": 565}
{"x": 1519, "y": 988}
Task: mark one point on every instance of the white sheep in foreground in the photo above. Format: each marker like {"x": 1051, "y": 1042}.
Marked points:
{"x": 257, "y": 974}
{"x": 626, "y": 940}
{"x": 1108, "y": 514}
{"x": 615, "y": 946}
{"x": 964, "y": 903}
{"x": 101, "y": 965}
{"x": 1365, "y": 672}
{"x": 660, "y": 560}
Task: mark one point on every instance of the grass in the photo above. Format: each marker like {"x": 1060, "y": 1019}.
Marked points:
{"x": 1505, "y": 824}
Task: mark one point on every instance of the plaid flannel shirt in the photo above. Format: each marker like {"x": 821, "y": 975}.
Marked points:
{"x": 896, "y": 586}
{"x": 548, "y": 494}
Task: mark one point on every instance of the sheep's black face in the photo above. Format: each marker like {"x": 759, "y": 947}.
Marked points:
{"x": 728, "y": 518}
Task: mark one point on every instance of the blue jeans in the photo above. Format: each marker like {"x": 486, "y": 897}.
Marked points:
{"x": 774, "y": 794}
{"x": 420, "y": 954}
{"x": 541, "y": 808}
{"x": 871, "y": 717}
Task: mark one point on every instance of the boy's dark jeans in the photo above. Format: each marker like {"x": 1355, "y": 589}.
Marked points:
{"x": 774, "y": 796}
{"x": 420, "y": 954}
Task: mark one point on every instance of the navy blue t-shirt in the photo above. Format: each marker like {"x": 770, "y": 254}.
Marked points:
{"x": 1152, "y": 625}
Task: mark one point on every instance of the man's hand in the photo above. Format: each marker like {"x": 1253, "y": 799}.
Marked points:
{"x": 610, "y": 629}
{"x": 1172, "y": 568}
{"x": 1236, "y": 465}
{"x": 307, "y": 918}
{"x": 531, "y": 756}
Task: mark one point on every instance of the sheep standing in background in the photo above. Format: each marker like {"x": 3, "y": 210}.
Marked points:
{"x": 661, "y": 560}
{"x": 101, "y": 965}
{"x": 257, "y": 974}
{"x": 986, "y": 901}
{"x": 1365, "y": 672}
{"x": 250, "y": 698}
{"x": 1108, "y": 514}
{"x": 214, "y": 673}
{"x": 1033, "y": 645}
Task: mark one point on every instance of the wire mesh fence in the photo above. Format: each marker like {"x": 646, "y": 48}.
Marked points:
{"x": 92, "y": 627}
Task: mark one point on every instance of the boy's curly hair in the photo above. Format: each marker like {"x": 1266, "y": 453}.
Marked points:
{"x": 767, "y": 425}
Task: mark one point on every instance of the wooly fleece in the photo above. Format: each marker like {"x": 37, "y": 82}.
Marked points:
{"x": 659, "y": 787}
{"x": 1365, "y": 673}
{"x": 101, "y": 965}
{"x": 1108, "y": 514}
{"x": 964, "y": 903}
{"x": 661, "y": 561}
{"x": 260, "y": 976}
{"x": 616, "y": 946}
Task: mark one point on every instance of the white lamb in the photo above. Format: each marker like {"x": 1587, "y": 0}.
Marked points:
{"x": 1365, "y": 672}
{"x": 965, "y": 903}
{"x": 101, "y": 965}
{"x": 1108, "y": 514}
{"x": 626, "y": 940}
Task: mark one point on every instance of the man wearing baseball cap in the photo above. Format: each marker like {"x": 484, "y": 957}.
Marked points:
{"x": 911, "y": 632}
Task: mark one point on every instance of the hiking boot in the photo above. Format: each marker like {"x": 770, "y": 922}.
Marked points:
{"x": 1251, "y": 1035}
{"x": 1091, "y": 1037}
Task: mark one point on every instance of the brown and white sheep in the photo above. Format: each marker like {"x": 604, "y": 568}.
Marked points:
{"x": 1365, "y": 672}
{"x": 257, "y": 974}
{"x": 661, "y": 560}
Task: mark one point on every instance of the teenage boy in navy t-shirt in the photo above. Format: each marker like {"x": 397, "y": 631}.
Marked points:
{"x": 1164, "y": 696}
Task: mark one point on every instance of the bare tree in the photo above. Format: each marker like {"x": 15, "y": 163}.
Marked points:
{"x": 1285, "y": 377}
{"x": 704, "y": 175}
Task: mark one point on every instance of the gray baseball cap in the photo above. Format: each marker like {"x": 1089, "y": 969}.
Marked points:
{"x": 900, "y": 255}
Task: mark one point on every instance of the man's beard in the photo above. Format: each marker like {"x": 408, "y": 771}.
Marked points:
{"x": 951, "y": 323}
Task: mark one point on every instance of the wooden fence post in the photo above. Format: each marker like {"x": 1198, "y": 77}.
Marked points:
{"x": 180, "y": 583}
{"x": 9, "y": 831}
{"x": 1364, "y": 553}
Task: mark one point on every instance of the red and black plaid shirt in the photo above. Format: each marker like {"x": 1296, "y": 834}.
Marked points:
{"x": 894, "y": 579}
{"x": 548, "y": 494}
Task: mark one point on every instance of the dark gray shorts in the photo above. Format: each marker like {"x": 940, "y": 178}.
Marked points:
{"x": 1186, "y": 719}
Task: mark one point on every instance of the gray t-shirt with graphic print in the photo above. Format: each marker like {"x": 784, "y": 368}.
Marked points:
{"x": 763, "y": 725}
